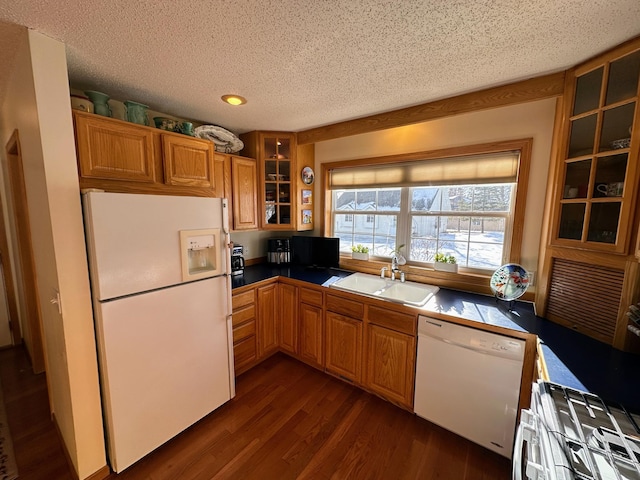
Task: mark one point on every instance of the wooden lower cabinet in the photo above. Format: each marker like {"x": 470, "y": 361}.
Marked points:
{"x": 343, "y": 346}
{"x": 311, "y": 335}
{"x": 288, "y": 318}
{"x": 390, "y": 364}
{"x": 267, "y": 315}
{"x": 245, "y": 347}
{"x": 364, "y": 344}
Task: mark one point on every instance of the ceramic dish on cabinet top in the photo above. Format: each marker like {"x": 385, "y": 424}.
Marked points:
{"x": 224, "y": 140}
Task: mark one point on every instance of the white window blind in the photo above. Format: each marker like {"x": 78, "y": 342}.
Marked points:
{"x": 499, "y": 167}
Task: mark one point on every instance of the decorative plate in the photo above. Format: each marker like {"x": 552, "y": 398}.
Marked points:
{"x": 307, "y": 175}
{"x": 224, "y": 140}
{"x": 510, "y": 281}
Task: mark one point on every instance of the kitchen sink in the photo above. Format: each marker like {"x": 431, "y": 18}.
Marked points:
{"x": 410, "y": 293}
{"x": 362, "y": 283}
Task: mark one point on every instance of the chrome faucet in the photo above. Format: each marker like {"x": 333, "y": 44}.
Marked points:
{"x": 394, "y": 263}
{"x": 395, "y": 268}
{"x": 382, "y": 270}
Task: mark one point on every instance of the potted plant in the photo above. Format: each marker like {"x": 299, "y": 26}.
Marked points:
{"x": 445, "y": 263}
{"x": 360, "y": 252}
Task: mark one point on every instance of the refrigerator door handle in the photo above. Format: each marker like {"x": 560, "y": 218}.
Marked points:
{"x": 232, "y": 367}
{"x": 225, "y": 217}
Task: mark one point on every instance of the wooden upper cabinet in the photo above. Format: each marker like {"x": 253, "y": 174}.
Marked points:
{"x": 109, "y": 149}
{"x": 244, "y": 177}
{"x": 275, "y": 153}
{"x": 597, "y": 169}
{"x": 188, "y": 161}
{"x": 222, "y": 170}
{"x": 119, "y": 156}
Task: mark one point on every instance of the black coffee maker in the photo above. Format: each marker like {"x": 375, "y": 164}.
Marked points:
{"x": 237, "y": 260}
{"x": 278, "y": 251}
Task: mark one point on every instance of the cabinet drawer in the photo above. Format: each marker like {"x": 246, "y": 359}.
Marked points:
{"x": 341, "y": 305}
{"x": 243, "y": 331}
{"x": 244, "y": 314}
{"x": 242, "y": 299}
{"x": 244, "y": 352}
{"x": 312, "y": 297}
{"x": 401, "y": 322}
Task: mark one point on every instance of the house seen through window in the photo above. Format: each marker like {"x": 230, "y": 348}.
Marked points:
{"x": 469, "y": 217}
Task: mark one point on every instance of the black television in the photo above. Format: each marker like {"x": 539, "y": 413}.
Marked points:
{"x": 315, "y": 252}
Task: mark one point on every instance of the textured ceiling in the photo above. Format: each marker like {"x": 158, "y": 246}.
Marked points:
{"x": 307, "y": 63}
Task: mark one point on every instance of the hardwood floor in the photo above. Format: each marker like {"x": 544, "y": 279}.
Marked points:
{"x": 287, "y": 421}
{"x": 36, "y": 443}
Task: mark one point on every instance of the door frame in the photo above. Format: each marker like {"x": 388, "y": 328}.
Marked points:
{"x": 9, "y": 286}
{"x": 24, "y": 247}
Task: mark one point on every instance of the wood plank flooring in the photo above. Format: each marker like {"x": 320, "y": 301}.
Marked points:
{"x": 287, "y": 421}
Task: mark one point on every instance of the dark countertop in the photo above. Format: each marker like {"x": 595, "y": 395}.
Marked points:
{"x": 572, "y": 359}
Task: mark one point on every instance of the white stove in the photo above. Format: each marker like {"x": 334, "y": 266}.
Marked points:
{"x": 568, "y": 434}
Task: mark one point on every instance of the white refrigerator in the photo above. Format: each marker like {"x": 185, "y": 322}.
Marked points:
{"x": 161, "y": 288}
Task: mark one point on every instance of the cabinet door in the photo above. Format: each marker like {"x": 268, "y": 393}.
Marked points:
{"x": 344, "y": 346}
{"x": 114, "y": 150}
{"x": 267, "y": 314}
{"x": 288, "y": 318}
{"x": 597, "y": 172}
{"x": 245, "y": 193}
{"x": 390, "y": 364}
{"x": 188, "y": 161}
{"x": 222, "y": 176}
{"x": 311, "y": 337}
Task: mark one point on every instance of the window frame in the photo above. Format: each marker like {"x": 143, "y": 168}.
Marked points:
{"x": 523, "y": 146}
{"x": 473, "y": 215}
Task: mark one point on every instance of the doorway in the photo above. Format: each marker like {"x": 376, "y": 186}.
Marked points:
{"x": 32, "y": 324}
{"x": 7, "y": 291}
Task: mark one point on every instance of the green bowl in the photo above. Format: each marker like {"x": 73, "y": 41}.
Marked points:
{"x": 165, "y": 123}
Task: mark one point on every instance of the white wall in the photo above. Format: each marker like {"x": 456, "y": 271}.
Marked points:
{"x": 37, "y": 104}
{"x": 255, "y": 243}
{"x": 533, "y": 119}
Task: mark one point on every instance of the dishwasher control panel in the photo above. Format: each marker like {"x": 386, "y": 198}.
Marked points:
{"x": 473, "y": 338}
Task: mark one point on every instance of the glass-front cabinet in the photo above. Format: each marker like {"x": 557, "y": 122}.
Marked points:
{"x": 599, "y": 159}
{"x": 275, "y": 153}
{"x": 277, "y": 182}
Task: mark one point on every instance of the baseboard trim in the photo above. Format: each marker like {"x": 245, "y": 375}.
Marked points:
{"x": 101, "y": 474}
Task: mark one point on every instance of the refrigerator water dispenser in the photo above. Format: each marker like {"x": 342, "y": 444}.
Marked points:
{"x": 200, "y": 253}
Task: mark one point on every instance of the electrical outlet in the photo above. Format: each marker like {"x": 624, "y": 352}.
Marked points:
{"x": 245, "y": 251}
{"x": 532, "y": 278}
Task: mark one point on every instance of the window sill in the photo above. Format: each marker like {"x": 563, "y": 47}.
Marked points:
{"x": 468, "y": 282}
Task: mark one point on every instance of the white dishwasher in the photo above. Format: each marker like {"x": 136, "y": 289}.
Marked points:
{"x": 468, "y": 382}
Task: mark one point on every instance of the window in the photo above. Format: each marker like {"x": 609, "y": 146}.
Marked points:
{"x": 467, "y": 221}
{"x": 459, "y": 205}
{"x": 373, "y": 213}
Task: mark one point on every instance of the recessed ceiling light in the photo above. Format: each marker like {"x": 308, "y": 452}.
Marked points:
{"x": 234, "y": 99}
